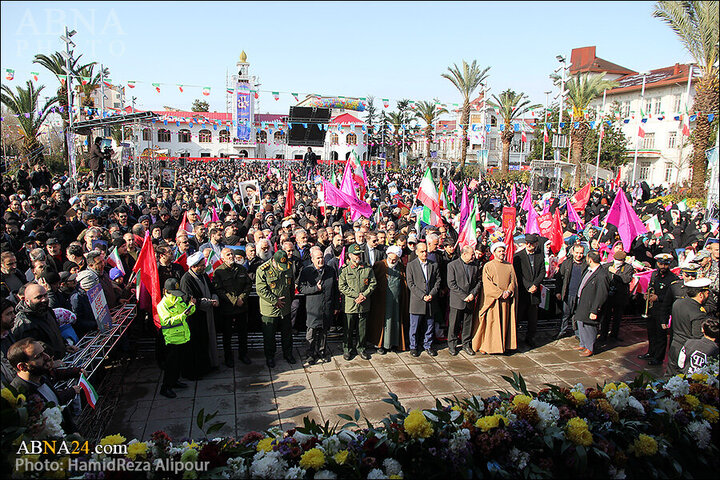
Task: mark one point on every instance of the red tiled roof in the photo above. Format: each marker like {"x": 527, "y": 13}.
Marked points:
{"x": 345, "y": 118}
{"x": 584, "y": 60}
{"x": 660, "y": 77}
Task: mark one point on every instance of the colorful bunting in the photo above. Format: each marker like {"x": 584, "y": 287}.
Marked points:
{"x": 206, "y": 91}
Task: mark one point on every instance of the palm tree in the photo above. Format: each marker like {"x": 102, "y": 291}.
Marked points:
{"x": 92, "y": 83}
{"x": 466, "y": 81}
{"x": 512, "y": 106}
{"x": 396, "y": 119}
{"x": 696, "y": 25}
{"x": 429, "y": 113}
{"x": 582, "y": 89}
{"x": 25, "y": 104}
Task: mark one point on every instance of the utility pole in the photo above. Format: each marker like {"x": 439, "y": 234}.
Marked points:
{"x": 67, "y": 55}
{"x": 545, "y": 125}
{"x": 600, "y": 137}
{"x": 637, "y": 137}
{"x": 562, "y": 94}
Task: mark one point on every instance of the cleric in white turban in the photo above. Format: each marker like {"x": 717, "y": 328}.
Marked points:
{"x": 389, "y": 310}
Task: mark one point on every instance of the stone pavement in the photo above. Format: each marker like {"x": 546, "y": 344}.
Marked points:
{"x": 253, "y": 397}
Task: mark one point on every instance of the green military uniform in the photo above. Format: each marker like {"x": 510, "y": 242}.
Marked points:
{"x": 173, "y": 311}
{"x": 355, "y": 280}
{"x": 273, "y": 280}
{"x": 231, "y": 284}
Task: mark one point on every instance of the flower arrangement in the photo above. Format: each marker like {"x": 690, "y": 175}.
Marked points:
{"x": 645, "y": 428}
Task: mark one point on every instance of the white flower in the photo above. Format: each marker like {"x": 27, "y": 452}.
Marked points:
{"x": 392, "y": 467}
{"x": 619, "y": 398}
{"x": 331, "y": 445}
{"x": 237, "y": 467}
{"x": 615, "y": 473}
{"x": 295, "y": 472}
{"x": 669, "y": 405}
{"x": 376, "y": 474}
{"x": 325, "y": 475}
{"x": 578, "y": 388}
{"x": 635, "y": 403}
{"x": 481, "y": 404}
{"x": 677, "y": 386}
{"x": 454, "y": 415}
{"x": 549, "y": 414}
{"x": 700, "y": 431}
{"x": 430, "y": 416}
{"x": 53, "y": 423}
{"x": 345, "y": 436}
{"x": 459, "y": 440}
{"x": 519, "y": 458}
{"x": 301, "y": 437}
{"x": 268, "y": 465}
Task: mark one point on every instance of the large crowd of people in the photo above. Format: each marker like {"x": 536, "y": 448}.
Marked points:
{"x": 230, "y": 261}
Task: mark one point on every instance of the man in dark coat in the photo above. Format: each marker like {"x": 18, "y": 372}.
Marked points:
{"x": 318, "y": 283}
{"x": 620, "y": 274}
{"x": 95, "y": 161}
{"x": 529, "y": 267}
{"x": 232, "y": 284}
{"x": 464, "y": 283}
{"x": 592, "y": 294}
{"x": 309, "y": 161}
{"x": 567, "y": 282}
{"x": 688, "y": 315}
{"x": 658, "y": 317}
{"x": 423, "y": 279}
{"x": 35, "y": 319}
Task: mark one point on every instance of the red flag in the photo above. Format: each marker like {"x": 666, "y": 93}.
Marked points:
{"x": 641, "y": 132}
{"x": 508, "y": 225}
{"x": 580, "y": 199}
{"x": 523, "y": 137}
{"x": 686, "y": 129}
{"x": 544, "y": 222}
{"x": 556, "y": 233}
{"x": 614, "y": 183}
{"x": 546, "y": 138}
{"x": 290, "y": 199}
{"x": 146, "y": 265}
{"x": 182, "y": 261}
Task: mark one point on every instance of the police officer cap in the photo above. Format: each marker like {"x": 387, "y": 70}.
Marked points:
{"x": 702, "y": 255}
{"x": 173, "y": 286}
{"x": 690, "y": 269}
{"x": 663, "y": 258}
{"x": 698, "y": 283}
{"x": 355, "y": 249}
{"x": 710, "y": 241}
{"x": 281, "y": 259}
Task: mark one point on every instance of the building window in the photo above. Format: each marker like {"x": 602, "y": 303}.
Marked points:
{"x": 625, "y": 109}
{"x": 493, "y": 121}
{"x": 205, "y": 136}
{"x": 672, "y": 139}
{"x": 644, "y": 170}
{"x": 647, "y": 108}
{"x": 262, "y": 136}
{"x": 205, "y": 155}
{"x": 163, "y": 135}
{"x": 351, "y": 139}
{"x": 334, "y": 139}
{"x": 280, "y": 156}
{"x": 648, "y": 141}
{"x": 334, "y": 156}
{"x": 279, "y": 137}
{"x": 668, "y": 172}
{"x": 147, "y": 134}
{"x": 676, "y": 103}
{"x": 515, "y": 147}
{"x": 224, "y": 136}
{"x": 184, "y": 136}
{"x": 657, "y": 106}
{"x": 493, "y": 144}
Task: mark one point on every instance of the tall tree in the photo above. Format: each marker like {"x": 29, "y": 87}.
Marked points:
{"x": 25, "y": 103}
{"x": 91, "y": 81}
{"x": 582, "y": 89}
{"x": 370, "y": 116}
{"x": 696, "y": 25}
{"x": 512, "y": 106}
{"x": 395, "y": 119}
{"x": 429, "y": 113}
{"x": 200, "y": 106}
{"x": 466, "y": 80}
{"x": 613, "y": 149}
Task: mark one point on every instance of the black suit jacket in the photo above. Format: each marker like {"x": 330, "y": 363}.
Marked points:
{"x": 419, "y": 287}
{"x": 528, "y": 276}
{"x": 460, "y": 285}
{"x": 593, "y": 297}
{"x": 378, "y": 254}
{"x": 562, "y": 277}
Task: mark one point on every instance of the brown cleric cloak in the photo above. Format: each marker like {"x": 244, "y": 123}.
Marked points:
{"x": 376, "y": 319}
{"x": 494, "y": 327}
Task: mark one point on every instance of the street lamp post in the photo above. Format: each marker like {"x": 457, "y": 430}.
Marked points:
{"x": 545, "y": 126}
{"x": 67, "y": 54}
{"x": 600, "y": 137}
{"x": 637, "y": 137}
{"x": 562, "y": 68}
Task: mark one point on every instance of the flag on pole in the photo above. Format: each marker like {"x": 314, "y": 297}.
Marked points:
{"x": 580, "y": 199}
{"x": 296, "y": 96}
{"x": 509, "y": 219}
{"x": 180, "y": 87}
{"x": 157, "y": 87}
{"x": 513, "y": 195}
{"x": 546, "y": 138}
{"x": 90, "y": 394}
{"x": 573, "y": 216}
{"x": 206, "y": 91}
{"x": 84, "y": 80}
{"x": 615, "y": 183}
{"x": 229, "y": 201}
{"x": 523, "y": 137}
{"x": 556, "y": 233}
{"x": 623, "y": 216}
{"x": 468, "y": 234}
{"x": 464, "y": 206}
{"x": 452, "y": 190}
{"x": 641, "y": 132}
{"x": 114, "y": 260}
{"x": 290, "y": 199}
{"x": 342, "y": 258}
{"x": 206, "y": 218}
{"x": 490, "y": 223}
{"x": 527, "y": 200}
{"x": 131, "y": 84}
{"x": 428, "y": 196}
{"x": 653, "y": 226}
{"x": 215, "y": 217}
{"x": 214, "y": 186}
{"x": 146, "y": 268}
{"x": 182, "y": 261}
{"x": 212, "y": 263}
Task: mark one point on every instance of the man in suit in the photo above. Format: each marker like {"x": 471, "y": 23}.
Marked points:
{"x": 529, "y": 267}
{"x": 423, "y": 279}
{"x": 620, "y": 274}
{"x": 567, "y": 282}
{"x": 463, "y": 280}
{"x": 372, "y": 252}
{"x": 96, "y": 161}
{"x": 309, "y": 161}
{"x": 592, "y": 294}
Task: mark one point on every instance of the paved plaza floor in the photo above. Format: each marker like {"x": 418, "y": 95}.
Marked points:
{"x": 253, "y": 397}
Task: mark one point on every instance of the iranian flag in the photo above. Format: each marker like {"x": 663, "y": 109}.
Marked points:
{"x": 131, "y": 84}
{"x": 491, "y": 223}
{"x": 468, "y": 234}
{"x": 35, "y": 75}
{"x": 685, "y": 125}
{"x": 653, "y": 225}
{"x": 546, "y": 138}
{"x": 276, "y": 96}
{"x": 206, "y": 218}
{"x": 682, "y": 205}
{"x": 229, "y": 201}
{"x": 214, "y": 186}
{"x": 297, "y": 99}
{"x": 186, "y": 226}
{"x": 9, "y": 74}
{"x": 107, "y": 82}
{"x": 428, "y": 196}
{"x": 90, "y": 394}
{"x": 206, "y": 91}
{"x": 386, "y": 102}
{"x": 157, "y": 87}
{"x": 180, "y": 87}
{"x": 641, "y": 132}
{"x": 114, "y": 260}
{"x": 85, "y": 80}
{"x": 212, "y": 263}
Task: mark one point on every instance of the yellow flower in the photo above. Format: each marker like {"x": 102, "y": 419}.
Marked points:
{"x": 693, "y": 401}
{"x": 579, "y": 398}
{"x": 113, "y": 440}
{"x": 265, "y": 445}
{"x": 608, "y": 387}
{"x": 710, "y": 413}
{"x": 578, "y": 433}
{"x": 135, "y": 449}
{"x": 521, "y": 400}
{"x": 490, "y": 422}
{"x": 644, "y": 446}
{"x": 395, "y": 477}
{"x": 341, "y": 457}
{"x": 699, "y": 377}
{"x": 313, "y": 458}
{"x": 8, "y": 396}
{"x": 416, "y": 425}
{"x": 622, "y": 385}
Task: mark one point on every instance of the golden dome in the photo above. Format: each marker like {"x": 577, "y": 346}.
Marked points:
{"x": 243, "y": 57}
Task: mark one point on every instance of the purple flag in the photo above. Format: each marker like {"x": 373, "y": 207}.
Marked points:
{"x": 623, "y": 216}
{"x": 573, "y": 216}
{"x": 513, "y": 196}
{"x": 464, "y": 206}
{"x": 527, "y": 200}
{"x": 595, "y": 221}
{"x": 532, "y": 223}
{"x": 452, "y": 190}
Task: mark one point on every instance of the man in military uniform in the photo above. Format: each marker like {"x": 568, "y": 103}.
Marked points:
{"x": 688, "y": 315}
{"x": 356, "y": 283}
{"x": 677, "y": 287}
{"x": 658, "y": 314}
{"x": 233, "y": 285}
{"x": 275, "y": 288}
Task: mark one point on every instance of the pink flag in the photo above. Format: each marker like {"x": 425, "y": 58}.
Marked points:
{"x": 643, "y": 280}
{"x": 215, "y": 217}
{"x": 338, "y": 198}
{"x": 527, "y": 200}
{"x": 623, "y": 216}
{"x": 573, "y": 216}
{"x": 513, "y": 195}
{"x": 342, "y": 257}
{"x": 595, "y": 221}
{"x": 452, "y": 190}
{"x": 532, "y": 222}
{"x": 464, "y": 206}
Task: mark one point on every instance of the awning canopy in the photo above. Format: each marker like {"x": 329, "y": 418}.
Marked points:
{"x": 112, "y": 121}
